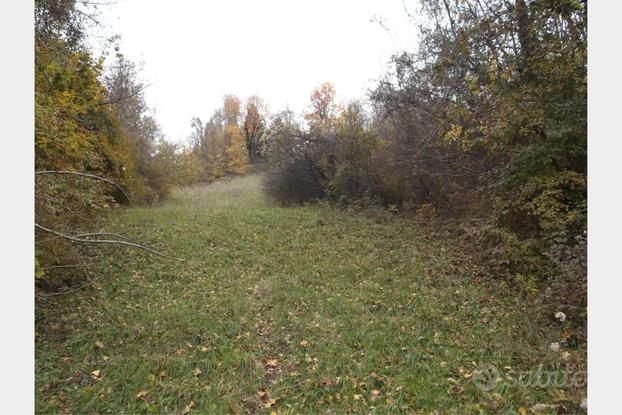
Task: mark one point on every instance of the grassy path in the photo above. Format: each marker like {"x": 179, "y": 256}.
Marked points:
{"x": 291, "y": 310}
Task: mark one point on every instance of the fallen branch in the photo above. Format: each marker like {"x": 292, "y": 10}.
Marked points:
{"x": 104, "y": 241}
{"x": 88, "y": 235}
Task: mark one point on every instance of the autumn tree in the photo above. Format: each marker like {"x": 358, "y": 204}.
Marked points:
{"x": 215, "y": 144}
{"x": 254, "y": 127}
{"x": 218, "y": 145}
{"x": 231, "y": 110}
{"x": 236, "y": 155}
{"x": 323, "y": 107}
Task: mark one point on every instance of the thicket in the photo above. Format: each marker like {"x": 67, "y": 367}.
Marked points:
{"x": 485, "y": 124}
{"x": 89, "y": 120}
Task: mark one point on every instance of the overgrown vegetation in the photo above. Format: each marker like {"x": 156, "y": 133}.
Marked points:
{"x": 485, "y": 123}
{"x": 90, "y": 123}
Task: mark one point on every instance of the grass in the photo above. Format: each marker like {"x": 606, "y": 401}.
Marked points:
{"x": 289, "y": 310}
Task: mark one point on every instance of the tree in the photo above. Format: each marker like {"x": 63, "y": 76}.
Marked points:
{"x": 231, "y": 109}
{"x": 254, "y": 126}
{"x": 215, "y": 145}
{"x": 235, "y": 154}
{"x": 126, "y": 97}
{"x": 322, "y": 105}
{"x": 197, "y": 136}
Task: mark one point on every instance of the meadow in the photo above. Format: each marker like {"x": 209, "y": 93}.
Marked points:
{"x": 306, "y": 309}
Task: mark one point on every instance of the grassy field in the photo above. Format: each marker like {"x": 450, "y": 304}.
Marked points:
{"x": 288, "y": 310}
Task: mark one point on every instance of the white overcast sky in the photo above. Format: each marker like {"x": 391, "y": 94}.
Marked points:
{"x": 194, "y": 52}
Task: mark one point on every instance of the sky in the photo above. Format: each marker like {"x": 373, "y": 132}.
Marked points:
{"x": 194, "y": 52}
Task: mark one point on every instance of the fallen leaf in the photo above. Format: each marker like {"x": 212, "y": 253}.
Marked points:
{"x": 269, "y": 403}
{"x": 272, "y": 362}
{"x": 96, "y": 374}
{"x": 522, "y": 411}
{"x": 357, "y": 397}
{"x": 188, "y": 408}
{"x": 375, "y": 392}
{"x": 99, "y": 344}
{"x": 196, "y": 371}
{"x": 327, "y": 382}
{"x": 141, "y": 394}
{"x": 304, "y": 343}
{"x": 204, "y": 349}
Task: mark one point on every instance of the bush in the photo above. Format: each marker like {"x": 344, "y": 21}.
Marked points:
{"x": 296, "y": 174}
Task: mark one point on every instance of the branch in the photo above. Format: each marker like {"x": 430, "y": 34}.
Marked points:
{"x": 89, "y": 175}
{"x": 88, "y": 235}
{"x": 126, "y": 97}
{"x": 104, "y": 241}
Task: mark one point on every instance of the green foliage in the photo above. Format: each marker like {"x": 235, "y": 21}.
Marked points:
{"x": 505, "y": 255}
{"x": 547, "y": 205}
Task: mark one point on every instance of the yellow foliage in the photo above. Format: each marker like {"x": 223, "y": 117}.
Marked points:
{"x": 235, "y": 153}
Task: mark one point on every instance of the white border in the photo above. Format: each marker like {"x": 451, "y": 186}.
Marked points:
{"x": 604, "y": 207}
{"x": 17, "y": 203}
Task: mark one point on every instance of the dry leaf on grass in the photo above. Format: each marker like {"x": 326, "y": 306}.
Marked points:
{"x": 141, "y": 394}
{"x": 187, "y": 408}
